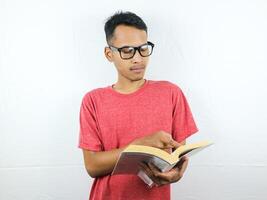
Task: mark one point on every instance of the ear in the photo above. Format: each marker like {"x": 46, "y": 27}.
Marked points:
{"x": 108, "y": 53}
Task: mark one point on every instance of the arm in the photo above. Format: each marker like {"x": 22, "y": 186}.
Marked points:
{"x": 102, "y": 163}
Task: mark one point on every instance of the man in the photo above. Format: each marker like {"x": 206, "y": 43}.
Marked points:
{"x": 134, "y": 110}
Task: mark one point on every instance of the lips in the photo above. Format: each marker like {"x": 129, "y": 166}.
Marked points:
{"x": 137, "y": 68}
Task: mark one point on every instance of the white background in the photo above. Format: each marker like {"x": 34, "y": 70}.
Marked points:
{"x": 51, "y": 54}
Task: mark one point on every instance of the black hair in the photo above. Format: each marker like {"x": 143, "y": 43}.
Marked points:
{"x": 123, "y": 18}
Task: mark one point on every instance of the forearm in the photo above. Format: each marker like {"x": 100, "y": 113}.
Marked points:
{"x": 101, "y": 163}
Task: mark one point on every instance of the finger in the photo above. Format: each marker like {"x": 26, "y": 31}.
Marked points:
{"x": 161, "y": 177}
{"x": 168, "y": 150}
{"x": 146, "y": 169}
{"x": 184, "y": 165}
{"x": 143, "y": 166}
{"x": 176, "y": 173}
{"x": 154, "y": 169}
{"x": 171, "y": 143}
{"x": 169, "y": 177}
{"x": 166, "y": 139}
{"x": 164, "y": 177}
{"x": 149, "y": 173}
{"x": 155, "y": 173}
{"x": 175, "y": 144}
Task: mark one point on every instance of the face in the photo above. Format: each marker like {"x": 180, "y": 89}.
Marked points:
{"x": 128, "y": 36}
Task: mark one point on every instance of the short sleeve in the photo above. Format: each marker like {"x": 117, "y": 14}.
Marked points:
{"x": 183, "y": 124}
{"x": 89, "y": 137}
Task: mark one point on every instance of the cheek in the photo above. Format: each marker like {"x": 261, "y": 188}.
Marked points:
{"x": 122, "y": 65}
{"x": 146, "y": 60}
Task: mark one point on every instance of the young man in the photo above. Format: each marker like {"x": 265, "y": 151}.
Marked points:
{"x": 134, "y": 110}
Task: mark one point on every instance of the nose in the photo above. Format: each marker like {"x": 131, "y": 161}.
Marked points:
{"x": 137, "y": 57}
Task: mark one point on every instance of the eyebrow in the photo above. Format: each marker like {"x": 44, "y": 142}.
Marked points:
{"x": 127, "y": 46}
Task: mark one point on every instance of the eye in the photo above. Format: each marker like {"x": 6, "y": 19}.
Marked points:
{"x": 127, "y": 50}
{"x": 144, "y": 48}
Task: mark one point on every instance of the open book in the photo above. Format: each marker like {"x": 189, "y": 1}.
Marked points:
{"x": 133, "y": 155}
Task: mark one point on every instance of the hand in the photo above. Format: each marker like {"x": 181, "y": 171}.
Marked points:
{"x": 160, "y": 139}
{"x": 162, "y": 178}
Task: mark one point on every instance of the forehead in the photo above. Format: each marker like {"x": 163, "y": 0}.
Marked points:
{"x": 127, "y": 35}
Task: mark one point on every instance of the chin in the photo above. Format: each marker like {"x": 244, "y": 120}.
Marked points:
{"x": 138, "y": 78}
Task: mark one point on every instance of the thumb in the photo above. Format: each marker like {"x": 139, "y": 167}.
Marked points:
{"x": 175, "y": 144}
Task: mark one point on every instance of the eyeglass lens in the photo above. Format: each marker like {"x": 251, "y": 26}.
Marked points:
{"x": 128, "y": 52}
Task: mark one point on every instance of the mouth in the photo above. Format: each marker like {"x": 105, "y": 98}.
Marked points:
{"x": 137, "y": 69}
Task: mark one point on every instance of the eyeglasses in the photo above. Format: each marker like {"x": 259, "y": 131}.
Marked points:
{"x": 128, "y": 52}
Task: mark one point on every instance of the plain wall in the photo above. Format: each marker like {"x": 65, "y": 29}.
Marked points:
{"x": 51, "y": 54}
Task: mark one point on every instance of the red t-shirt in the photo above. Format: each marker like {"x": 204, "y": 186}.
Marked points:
{"x": 110, "y": 120}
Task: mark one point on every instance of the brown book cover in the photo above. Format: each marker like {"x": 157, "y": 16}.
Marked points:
{"x": 133, "y": 155}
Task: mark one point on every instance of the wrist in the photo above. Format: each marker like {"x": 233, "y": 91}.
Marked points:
{"x": 136, "y": 142}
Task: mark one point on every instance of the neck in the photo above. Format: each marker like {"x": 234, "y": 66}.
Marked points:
{"x": 128, "y": 85}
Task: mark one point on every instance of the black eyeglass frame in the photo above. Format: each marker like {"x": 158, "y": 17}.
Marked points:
{"x": 135, "y": 48}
